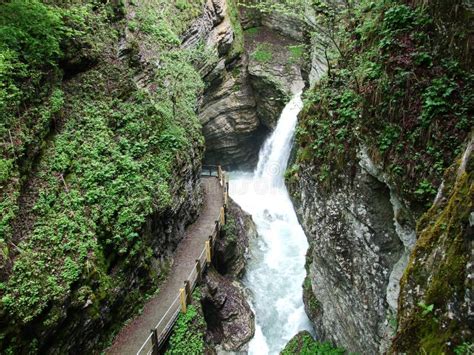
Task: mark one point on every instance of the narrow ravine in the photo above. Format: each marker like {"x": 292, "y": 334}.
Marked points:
{"x": 275, "y": 271}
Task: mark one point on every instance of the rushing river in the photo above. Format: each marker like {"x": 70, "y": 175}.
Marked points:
{"x": 275, "y": 271}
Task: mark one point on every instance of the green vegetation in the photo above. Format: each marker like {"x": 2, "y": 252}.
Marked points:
{"x": 426, "y": 309}
{"x": 296, "y": 52}
{"x": 230, "y": 229}
{"x": 252, "y": 31}
{"x": 304, "y": 344}
{"x": 438, "y": 267}
{"x": 310, "y": 299}
{"x": 464, "y": 349}
{"x": 98, "y": 153}
{"x": 262, "y": 53}
{"x": 188, "y": 332}
{"x": 389, "y": 57}
{"x": 238, "y": 44}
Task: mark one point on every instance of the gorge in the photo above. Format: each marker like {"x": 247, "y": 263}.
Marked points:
{"x": 275, "y": 271}
{"x": 350, "y": 218}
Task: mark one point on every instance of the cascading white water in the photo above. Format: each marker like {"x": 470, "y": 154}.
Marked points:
{"x": 275, "y": 271}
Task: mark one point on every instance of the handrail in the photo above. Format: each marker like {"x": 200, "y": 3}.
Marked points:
{"x": 154, "y": 342}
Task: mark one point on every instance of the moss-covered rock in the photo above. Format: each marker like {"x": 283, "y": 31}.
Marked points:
{"x": 303, "y": 343}
{"x": 436, "y": 289}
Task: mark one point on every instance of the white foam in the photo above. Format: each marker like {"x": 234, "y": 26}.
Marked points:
{"x": 275, "y": 272}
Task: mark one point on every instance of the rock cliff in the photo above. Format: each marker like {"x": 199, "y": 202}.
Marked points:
{"x": 244, "y": 95}
{"x": 367, "y": 170}
{"x": 360, "y": 236}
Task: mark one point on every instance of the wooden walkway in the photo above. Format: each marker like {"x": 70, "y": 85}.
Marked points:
{"x": 164, "y": 305}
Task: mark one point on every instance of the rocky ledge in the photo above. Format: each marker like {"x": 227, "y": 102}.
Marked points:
{"x": 230, "y": 320}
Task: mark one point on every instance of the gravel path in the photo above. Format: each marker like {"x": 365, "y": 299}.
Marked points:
{"x": 134, "y": 334}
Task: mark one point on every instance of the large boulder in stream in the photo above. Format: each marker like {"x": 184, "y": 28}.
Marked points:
{"x": 230, "y": 250}
{"x": 230, "y": 320}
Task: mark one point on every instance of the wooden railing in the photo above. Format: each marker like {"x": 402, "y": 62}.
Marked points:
{"x": 161, "y": 332}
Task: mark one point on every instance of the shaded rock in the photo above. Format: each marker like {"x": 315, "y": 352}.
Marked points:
{"x": 356, "y": 244}
{"x": 436, "y": 298}
{"x": 231, "y": 248}
{"x": 230, "y": 124}
{"x": 230, "y": 320}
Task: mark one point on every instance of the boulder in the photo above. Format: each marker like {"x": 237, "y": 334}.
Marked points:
{"x": 230, "y": 320}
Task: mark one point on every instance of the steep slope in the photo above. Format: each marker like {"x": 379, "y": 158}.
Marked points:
{"x": 247, "y": 86}
{"x": 375, "y": 138}
{"x": 100, "y": 166}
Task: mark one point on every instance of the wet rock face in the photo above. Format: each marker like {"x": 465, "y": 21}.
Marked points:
{"x": 230, "y": 320}
{"x": 228, "y": 114}
{"x": 354, "y": 248}
{"x": 230, "y": 250}
{"x": 243, "y": 98}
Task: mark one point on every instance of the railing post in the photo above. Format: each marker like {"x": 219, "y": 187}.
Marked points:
{"x": 199, "y": 270}
{"x": 219, "y": 174}
{"x": 222, "y": 216}
{"x": 208, "y": 251}
{"x": 187, "y": 288}
{"x": 182, "y": 298}
{"x": 154, "y": 342}
{"x": 226, "y": 194}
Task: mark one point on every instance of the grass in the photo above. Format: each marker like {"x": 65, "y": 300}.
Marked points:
{"x": 262, "y": 53}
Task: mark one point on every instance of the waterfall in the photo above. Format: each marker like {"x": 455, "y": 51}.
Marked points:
{"x": 275, "y": 271}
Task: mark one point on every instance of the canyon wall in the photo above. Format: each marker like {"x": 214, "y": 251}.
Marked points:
{"x": 379, "y": 245}
{"x": 244, "y": 93}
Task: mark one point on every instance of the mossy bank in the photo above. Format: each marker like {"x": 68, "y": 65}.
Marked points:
{"x": 99, "y": 168}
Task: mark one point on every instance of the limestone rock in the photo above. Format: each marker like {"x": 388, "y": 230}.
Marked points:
{"x": 356, "y": 244}
{"x": 231, "y": 248}
{"x": 229, "y": 318}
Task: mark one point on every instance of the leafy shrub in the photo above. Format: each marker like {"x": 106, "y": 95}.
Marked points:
{"x": 304, "y": 344}
{"x": 187, "y": 336}
{"x": 31, "y": 29}
{"x": 436, "y": 99}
